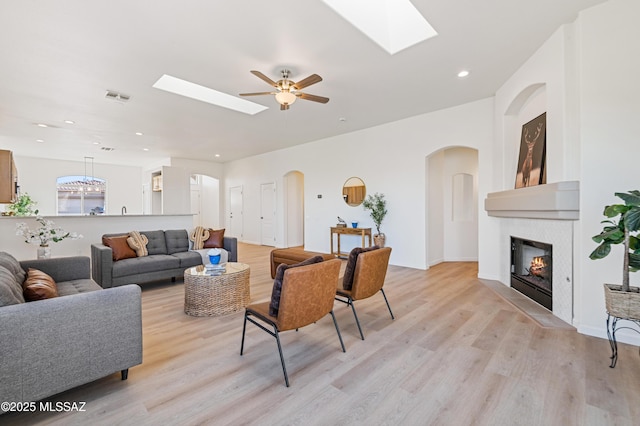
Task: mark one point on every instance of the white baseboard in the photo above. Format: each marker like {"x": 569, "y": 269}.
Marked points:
{"x": 622, "y": 336}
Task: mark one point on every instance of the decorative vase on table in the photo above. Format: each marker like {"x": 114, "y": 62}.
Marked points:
{"x": 44, "y": 251}
{"x": 379, "y": 240}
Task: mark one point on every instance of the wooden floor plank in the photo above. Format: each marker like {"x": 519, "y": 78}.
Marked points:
{"x": 457, "y": 353}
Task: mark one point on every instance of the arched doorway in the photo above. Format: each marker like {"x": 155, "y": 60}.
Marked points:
{"x": 452, "y": 205}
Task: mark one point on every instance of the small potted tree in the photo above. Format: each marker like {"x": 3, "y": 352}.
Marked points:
{"x": 377, "y": 206}
{"x": 622, "y": 227}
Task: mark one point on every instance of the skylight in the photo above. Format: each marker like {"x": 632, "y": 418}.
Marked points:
{"x": 205, "y": 94}
{"x": 393, "y": 24}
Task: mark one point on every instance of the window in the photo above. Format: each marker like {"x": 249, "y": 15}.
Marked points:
{"x": 81, "y": 195}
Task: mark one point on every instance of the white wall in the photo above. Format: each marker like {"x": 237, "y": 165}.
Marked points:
{"x": 434, "y": 211}
{"x": 390, "y": 159}
{"x": 609, "y": 129}
{"x": 460, "y": 236}
{"x": 591, "y": 95}
{"x": 37, "y": 177}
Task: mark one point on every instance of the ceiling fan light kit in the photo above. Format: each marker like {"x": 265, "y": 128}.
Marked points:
{"x": 287, "y": 91}
{"x": 285, "y": 98}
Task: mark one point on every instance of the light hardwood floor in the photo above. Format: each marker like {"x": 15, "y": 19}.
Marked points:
{"x": 456, "y": 354}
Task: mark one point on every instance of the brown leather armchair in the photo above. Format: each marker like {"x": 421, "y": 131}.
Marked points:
{"x": 307, "y": 295}
{"x": 368, "y": 278}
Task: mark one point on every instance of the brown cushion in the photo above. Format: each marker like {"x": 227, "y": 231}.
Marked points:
{"x": 39, "y": 286}
{"x": 350, "y": 269}
{"x": 277, "y": 282}
{"x": 119, "y": 247}
{"x": 215, "y": 240}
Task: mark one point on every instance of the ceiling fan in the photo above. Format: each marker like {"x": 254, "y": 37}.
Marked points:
{"x": 288, "y": 91}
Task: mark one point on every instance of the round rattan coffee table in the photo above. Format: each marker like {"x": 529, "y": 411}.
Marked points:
{"x": 214, "y": 295}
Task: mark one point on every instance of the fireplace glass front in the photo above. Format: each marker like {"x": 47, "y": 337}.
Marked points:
{"x": 531, "y": 270}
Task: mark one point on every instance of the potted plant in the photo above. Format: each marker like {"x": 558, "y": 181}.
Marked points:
{"x": 622, "y": 227}
{"x": 377, "y": 206}
{"x": 23, "y": 206}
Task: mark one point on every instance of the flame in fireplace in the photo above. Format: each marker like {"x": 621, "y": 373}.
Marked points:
{"x": 538, "y": 266}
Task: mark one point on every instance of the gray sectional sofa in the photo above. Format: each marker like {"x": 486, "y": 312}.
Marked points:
{"x": 50, "y": 346}
{"x": 169, "y": 256}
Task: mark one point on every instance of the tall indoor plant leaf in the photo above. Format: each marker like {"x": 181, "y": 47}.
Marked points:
{"x": 621, "y": 230}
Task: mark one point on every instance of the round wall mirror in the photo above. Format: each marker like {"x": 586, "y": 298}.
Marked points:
{"x": 354, "y": 191}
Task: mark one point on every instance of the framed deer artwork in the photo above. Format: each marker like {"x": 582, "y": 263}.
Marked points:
{"x": 533, "y": 153}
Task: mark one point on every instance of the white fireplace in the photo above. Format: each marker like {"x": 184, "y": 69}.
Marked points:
{"x": 547, "y": 214}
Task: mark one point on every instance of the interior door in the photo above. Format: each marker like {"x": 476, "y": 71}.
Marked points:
{"x": 268, "y": 214}
{"x": 235, "y": 212}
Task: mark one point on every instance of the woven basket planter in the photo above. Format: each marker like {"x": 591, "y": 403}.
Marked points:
{"x": 379, "y": 240}
{"x": 622, "y": 304}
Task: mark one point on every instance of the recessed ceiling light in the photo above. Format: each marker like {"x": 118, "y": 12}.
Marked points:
{"x": 69, "y": 121}
{"x": 393, "y": 24}
{"x": 145, "y": 149}
{"x": 39, "y": 140}
{"x": 139, "y": 133}
{"x": 217, "y": 155}
{"x": 96, "y": 143}
{"x": 463, "y": 73}
{"x": 342, "y": 119}
{"x": 205, "y": 94}
{"x": 41, "y": 125}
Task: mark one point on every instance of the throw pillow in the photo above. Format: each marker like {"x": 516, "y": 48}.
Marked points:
{"x": 215, "y": 240}
{"x": 119, "y": 247}
{"x": 10, "y": 288}
{"x": 12, "y": 264}
{"x": 350, "y": 269}
{"x": 198, "y": 237}
{"x": 274, "y": 305}
{"x": 39, "y": 286}
{"x": 138, "y": 243}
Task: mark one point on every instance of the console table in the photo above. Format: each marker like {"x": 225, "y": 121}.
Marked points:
{"x": 364, "y": 232}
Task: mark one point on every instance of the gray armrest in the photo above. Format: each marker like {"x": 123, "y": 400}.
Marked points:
{"x": 230, "y": 244}
{"x": 102, "y": 265}
{"x": 61, "y": 268}
{"x": 52, "y": 345}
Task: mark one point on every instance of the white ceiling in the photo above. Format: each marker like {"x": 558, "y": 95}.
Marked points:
{"x": 59, "y": 57}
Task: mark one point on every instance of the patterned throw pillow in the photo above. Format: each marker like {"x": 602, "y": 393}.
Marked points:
{"x": 39, "y": 286}
{"x": 138, "y": 243}
{"x": 119, "y": 247}
{"x": 277, "y": 282}
{"x": 198, "y": 237}
{"x": 350, "y": 269}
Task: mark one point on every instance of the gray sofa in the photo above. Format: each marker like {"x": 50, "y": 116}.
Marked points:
{"x": 49, "y": 346}
{"x": 169, "y": 256}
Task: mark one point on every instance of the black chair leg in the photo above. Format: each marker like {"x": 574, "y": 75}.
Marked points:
{"x": 338, "y": 330}
{"x": 244, "y": 329}
{"x": 388, "y": 307}
{"x": 284, "y": 369}
{"x": 124, "y": 374}
{"x": 353, "y": 308}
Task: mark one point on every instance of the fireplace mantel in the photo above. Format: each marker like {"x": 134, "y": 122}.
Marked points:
{"x": 560, "y": 201}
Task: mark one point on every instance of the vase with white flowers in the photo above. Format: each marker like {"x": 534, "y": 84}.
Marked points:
{"x": 44, "y": 234}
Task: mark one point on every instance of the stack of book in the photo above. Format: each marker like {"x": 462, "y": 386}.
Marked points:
{"x": 217, "y": 269}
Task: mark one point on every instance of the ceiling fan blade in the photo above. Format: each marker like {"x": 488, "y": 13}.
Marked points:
{"x": 264, "y": 78}
{"x": 313, "y": 98}
{"x": 312, "y": 79}
{"x": 258, "y": 93}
